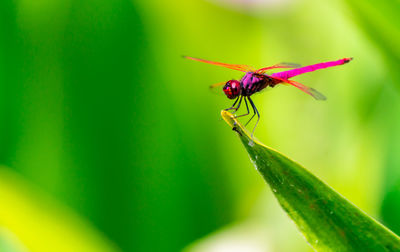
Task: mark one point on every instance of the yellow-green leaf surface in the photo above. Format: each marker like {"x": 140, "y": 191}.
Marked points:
{"x": 328, "y": 221}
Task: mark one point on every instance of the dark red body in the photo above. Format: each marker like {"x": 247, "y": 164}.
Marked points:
{"x": 253, "y": 82}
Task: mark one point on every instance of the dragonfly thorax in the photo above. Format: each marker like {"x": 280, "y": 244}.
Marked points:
{"x": 253, "y": 82}
{"x": 232, "y": 89}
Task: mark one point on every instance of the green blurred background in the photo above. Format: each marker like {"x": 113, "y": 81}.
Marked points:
{"x": 110, "y": 141}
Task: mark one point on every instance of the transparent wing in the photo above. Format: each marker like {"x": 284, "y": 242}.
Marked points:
{"x": 311, "y": 91}
{"x": 280, "y": 65}
{"x": 243, "y": 68}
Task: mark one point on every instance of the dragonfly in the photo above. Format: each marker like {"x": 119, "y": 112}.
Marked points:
{"x": 255, "y": 80}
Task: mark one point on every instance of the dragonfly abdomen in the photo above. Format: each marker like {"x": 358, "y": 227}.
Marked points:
{"x": 297, "y": 71}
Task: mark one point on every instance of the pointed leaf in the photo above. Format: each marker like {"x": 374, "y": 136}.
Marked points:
{"x": 328, "y": 221}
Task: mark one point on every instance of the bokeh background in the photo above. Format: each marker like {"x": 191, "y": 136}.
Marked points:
{"x": 111, "y": 141}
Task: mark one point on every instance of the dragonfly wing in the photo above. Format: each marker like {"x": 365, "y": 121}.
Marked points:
{"x": 243, "y": 68}
{"x": 289, "y": 64}
{"x": 217, "y": 84}
{"x": 280, "y": 65}
{"x": 311, "y": 91}
{"x": 214, "y": 88}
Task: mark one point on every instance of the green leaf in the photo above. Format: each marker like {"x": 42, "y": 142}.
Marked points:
{"x": 328, "y": 221}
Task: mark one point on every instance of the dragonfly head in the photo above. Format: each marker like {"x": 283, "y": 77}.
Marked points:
{"x": 232, "y": 89}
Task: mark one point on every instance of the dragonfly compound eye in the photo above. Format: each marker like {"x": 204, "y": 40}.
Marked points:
{"x": 232, "y": 89}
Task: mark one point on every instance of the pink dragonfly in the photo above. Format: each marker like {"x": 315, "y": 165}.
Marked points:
{"x": 256, "y": 80}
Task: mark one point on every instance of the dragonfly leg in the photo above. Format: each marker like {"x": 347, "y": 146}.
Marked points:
{"x": 258, "y": 115}
{"x": 254, "y": 114}
{"x": 233, "y": 105}
{"x": 240, "y": 102}
{"x": 247, "y": 107}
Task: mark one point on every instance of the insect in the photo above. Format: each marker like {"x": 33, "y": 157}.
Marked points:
{"x": 256, "y": 80}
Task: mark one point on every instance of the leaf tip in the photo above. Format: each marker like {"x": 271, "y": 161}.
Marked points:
{"x": 229, "y": 118}
{"x": 234, "y": 123}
